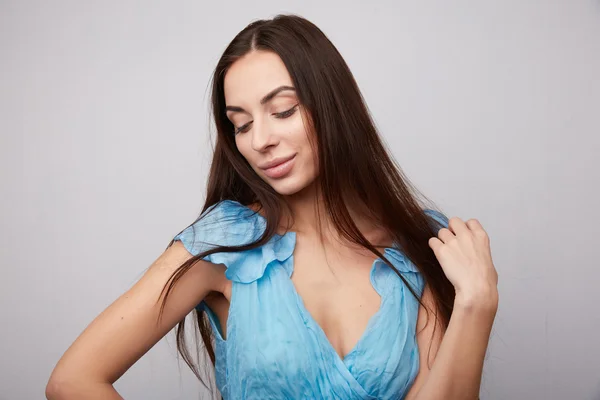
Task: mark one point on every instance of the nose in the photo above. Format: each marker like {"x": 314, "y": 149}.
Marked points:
{"x": 263, "y": 136}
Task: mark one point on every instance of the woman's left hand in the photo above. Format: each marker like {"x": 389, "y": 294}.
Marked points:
{"x": 463, "y": 250}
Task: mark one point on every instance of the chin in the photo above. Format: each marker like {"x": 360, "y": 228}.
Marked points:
{"x": 290, "y": 185}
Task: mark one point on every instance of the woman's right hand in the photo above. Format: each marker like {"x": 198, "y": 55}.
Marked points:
{"x": 128, "y": 328}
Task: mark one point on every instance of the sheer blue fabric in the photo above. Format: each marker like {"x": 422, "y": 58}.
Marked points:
{"x": 273, "y": 348}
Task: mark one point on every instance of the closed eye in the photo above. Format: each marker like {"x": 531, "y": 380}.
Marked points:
{"x": 243, "y": 128}
{"x": 287, "y": 113}
{"x": 284, "y": 114}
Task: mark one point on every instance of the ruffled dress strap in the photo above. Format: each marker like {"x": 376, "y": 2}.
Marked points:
{"x": 437, "y": 217}
{"x": 230, "y": 223}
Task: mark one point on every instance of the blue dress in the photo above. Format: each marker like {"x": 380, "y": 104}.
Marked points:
{"x": 273, "y": 348}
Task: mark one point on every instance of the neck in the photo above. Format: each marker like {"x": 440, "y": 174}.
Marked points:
{"x": 307, "y": 210}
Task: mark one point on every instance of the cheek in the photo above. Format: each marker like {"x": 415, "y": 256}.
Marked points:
{"x": 309, "y": 148}
{"x": 244, "y": 148}
{"x": 243, "y": 143}
{"x": 298, "y": 136}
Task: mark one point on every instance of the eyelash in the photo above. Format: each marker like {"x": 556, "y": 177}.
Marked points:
{"x": 281, "y": 115}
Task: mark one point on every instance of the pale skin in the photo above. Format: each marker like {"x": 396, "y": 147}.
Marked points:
{"x": 334, "y": 282}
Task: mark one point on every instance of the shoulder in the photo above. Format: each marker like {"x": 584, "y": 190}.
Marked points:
{"x": 439, "y": 219}
{"x": 225, "y": 223}
{"x": 228, "y": 212}
{"x": 403, "y": 264}
{"x": 229, "y": 223}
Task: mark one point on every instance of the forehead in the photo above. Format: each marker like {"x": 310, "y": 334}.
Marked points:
{"x": 254, "y": 75}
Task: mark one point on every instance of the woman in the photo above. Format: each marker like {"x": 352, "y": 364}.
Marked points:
{"x": 313, "y": 269}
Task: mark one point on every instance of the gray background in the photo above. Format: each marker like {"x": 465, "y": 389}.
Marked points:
{"x": 490, "y": 107}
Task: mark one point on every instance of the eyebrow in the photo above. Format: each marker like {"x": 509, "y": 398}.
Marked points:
{"x": 268, "y": 97}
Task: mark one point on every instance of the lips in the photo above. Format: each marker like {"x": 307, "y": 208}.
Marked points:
{"x": 275, "y": 162}
{"x": 279, "y": 167}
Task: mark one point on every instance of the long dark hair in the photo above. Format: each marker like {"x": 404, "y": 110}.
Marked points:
{"x": 353, "y": 163}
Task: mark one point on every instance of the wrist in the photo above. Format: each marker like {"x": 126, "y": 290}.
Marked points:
{"x": 484, "y": 299}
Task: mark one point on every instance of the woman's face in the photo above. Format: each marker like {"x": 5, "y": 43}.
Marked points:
{"x": 269, "y": 128}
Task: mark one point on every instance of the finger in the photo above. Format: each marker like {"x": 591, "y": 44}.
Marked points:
{"x": 478, "y": 231}
{"x": 445, "y": 235}
{"x": 474, "y": 224}
{"x": 435, "y": 244}
{"x": 457, "y": 226}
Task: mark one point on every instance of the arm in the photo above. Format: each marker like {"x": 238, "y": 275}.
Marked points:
{"x": 128, "y": 328}
{"x": 458, "y": 353}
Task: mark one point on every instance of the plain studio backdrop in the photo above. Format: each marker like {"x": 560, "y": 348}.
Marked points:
{"x": 492, "y": 108}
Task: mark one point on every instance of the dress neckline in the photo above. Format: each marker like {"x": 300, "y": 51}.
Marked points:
{"x": 373, "y": 320}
